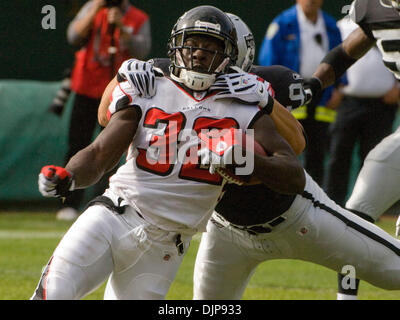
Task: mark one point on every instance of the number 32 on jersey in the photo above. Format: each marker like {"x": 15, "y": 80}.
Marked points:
{"x": 167, "y": 140}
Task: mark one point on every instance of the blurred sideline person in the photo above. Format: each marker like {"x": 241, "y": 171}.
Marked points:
{"x": 299, "y": 38}
{"x": 107, "y": 33}
{"x": 254, "y": 224}
{"x": 139, "y": 230}
{"x": 366, "y": 115}
{"x": 377, "y": 186}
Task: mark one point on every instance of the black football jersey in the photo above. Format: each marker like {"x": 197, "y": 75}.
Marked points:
{"x": 380, "y": 22}
{"x": 250, "y": 205}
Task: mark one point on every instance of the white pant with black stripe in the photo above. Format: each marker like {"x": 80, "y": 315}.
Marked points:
{"x": 377, "y": 188}
{"x": 316, "y": 230}
{"x": 140, "y": 259}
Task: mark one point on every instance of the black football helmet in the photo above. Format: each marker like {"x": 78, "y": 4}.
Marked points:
{"x": 245, "y": 42}
{"x": 207, "y": 21}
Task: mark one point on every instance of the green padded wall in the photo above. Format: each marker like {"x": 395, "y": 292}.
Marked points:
{"x": 30, "y": 136}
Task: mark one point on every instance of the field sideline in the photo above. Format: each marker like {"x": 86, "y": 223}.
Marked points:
{"x": 28, "y": 239}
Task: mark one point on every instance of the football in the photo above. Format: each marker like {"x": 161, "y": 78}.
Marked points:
{"x": 249, "y": 147}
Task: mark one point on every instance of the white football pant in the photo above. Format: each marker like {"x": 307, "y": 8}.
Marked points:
{"x": 316, "y": 230}
{"x": 377, "y": 188}
{"x": 140, "y": 259}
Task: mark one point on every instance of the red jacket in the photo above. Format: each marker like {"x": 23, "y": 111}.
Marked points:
{"x": 92, "y": 70}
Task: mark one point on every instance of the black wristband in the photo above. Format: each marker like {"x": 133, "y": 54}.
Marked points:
{"x": 314, "y": 84}
{"x": 339, "y": 60}
{"x": 267, "y": 109}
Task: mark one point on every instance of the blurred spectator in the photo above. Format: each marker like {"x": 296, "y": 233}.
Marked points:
{"x": 299, "y": 38}
{"x": 107, "y": 32}
{"x": 366, "y": 115}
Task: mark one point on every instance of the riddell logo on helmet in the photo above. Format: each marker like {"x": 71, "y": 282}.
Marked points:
{"x": 208, "y": 25}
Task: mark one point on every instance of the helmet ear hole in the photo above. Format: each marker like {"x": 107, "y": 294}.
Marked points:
{"x": 202, "y": 21}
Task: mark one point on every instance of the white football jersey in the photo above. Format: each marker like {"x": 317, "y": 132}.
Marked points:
{"x": 163, "y": 178}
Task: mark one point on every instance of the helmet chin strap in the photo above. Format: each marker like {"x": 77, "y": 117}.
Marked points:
{"x": 194, "y": 80}
{"x": 197, "y": 81}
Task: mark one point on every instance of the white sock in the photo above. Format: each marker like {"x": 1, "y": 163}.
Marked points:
{"x": 343, "y": 296}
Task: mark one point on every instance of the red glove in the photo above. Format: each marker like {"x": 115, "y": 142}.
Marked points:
{"x": 55, "y": 181}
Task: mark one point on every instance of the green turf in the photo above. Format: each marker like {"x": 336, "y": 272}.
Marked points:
{"x": 28, "y": 240}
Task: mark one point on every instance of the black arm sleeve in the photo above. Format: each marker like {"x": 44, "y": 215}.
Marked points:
{"x": 339, "y": 60}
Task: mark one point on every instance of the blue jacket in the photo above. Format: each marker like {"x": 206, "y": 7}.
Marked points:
{"x": 284, "y": 47}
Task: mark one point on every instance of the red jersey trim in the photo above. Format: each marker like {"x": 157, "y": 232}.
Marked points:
{"x": 129, "y": 96}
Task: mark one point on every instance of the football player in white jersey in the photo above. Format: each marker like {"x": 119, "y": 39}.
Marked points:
{"x": 287, "y": 85}
{"x": 376, "y": 190}
{"x": 309, "y": 227}
{"x": 138, "y": 231}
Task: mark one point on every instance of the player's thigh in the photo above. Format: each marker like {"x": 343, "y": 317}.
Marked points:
{"x": 147, "y": 260}
{"x": 377, "y": 185}
{"x": 337, "y": 238}
{"x": 82, "y": 259}
{"x": 376, "y": 189}
{"x": 223, "y": 265}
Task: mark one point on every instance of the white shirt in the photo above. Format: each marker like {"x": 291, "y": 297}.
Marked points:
{"x": 311, "y": 52}
{"x": 368, "y": 77}
{"x": 174, "y": 195}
